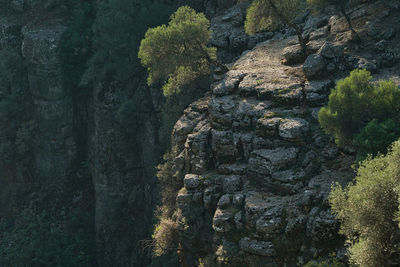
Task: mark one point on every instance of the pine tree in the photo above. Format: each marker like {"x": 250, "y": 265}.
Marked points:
{"x": 178, "y": 53}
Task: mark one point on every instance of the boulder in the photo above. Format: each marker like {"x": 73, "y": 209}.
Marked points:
{"x": 238, "y": 199}
{"x": 268, "y": 226}
{"x": 294, "y": 129}
{"x": 331, "y": 51}
{"x": 256, "y": 247}
{"x": 222, "y": 221}
{"x": 293, "y": 54}
{"x": 319, "y": 33}
{"x": 314, "y": 66}
{"x": 369, "y": 65}
{"x": 231, "y": 184}
{"x": 192, "y": 181}
{"x": 224, "y": 201}
{"x": 268, "y": 127}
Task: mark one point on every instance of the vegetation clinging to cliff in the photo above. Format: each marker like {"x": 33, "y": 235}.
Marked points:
{"x": 354, "y": 103}
{"x": 369, "y": 210}
{"x": 178, "y": 53}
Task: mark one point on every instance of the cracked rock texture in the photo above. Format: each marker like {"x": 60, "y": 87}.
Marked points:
{"x": 253, "y": 157}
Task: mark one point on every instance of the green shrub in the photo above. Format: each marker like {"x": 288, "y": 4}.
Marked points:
{"x": 376, "y": 137}
{"x": 368, "y": 210}
{"x": 356, "y": 101}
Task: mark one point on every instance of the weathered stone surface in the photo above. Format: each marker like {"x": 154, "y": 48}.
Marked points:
{"x": 223, "y": 221}
{"x": 257, "y": 247}
{"x": 238, "y": 219}
{"x": 319, "y": 33}
{"x": 278, "y": 158}
{"x": 229, "y": 84}
{"x": 364, "y": 63}
{"x": 55, "y": 151}
{"x": 295, "y": 129}
{"x": 224, "y": 201}
{"x": 288, "y": 176}
{"x": 316, "y": 21}
{"x": 338, "y": 24}
{"x": 238, "y": 199}
{"x": 314, "y": 66}
{"x": 268, "y": 226}
{"x": 192, "y": 181}
{"x": 232, "y": 169}
{"x": 293, "y": 54}
{"x": 331, "y": 51}
{"x": 231, "y": 184}
{"x": 223, "y": 145}
{"x": 268, "y": 127}
{"x": 268, "y": 167}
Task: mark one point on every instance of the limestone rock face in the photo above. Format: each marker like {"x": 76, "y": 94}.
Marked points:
{"x": 261, "y": 171}
{"x": 314, "y": 66}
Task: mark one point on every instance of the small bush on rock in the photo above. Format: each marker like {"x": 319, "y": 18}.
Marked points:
{"x": 353, "y": 104}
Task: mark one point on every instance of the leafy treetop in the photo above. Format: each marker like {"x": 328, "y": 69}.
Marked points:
{"x": 178, "y": 53}
{"x": 355, "y": 102}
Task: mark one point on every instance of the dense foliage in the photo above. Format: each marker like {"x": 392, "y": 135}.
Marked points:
{"x": 376, "y": 137}
{"x": 369, "y": 210}
{"x": 354, "y": 103}
{"x": 178, "y": 53}
{"x": 271, "y": 14}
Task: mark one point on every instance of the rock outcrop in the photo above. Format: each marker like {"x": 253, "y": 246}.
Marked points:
{"x": 252, "y": 156}
{"x": 255, "y": 163}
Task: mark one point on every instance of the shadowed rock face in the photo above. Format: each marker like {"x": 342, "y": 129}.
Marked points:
{"x": 55, "y": 150}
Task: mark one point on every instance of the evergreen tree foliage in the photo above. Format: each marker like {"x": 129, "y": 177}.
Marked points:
{"x": 356, "y": 101}
{"x": 178, "y": 53}
{"x": 271, "y": 14}
{"x": 368, "y": 210}
{"x": 376, "y": 137}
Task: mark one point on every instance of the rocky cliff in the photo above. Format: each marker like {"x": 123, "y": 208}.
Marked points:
{"x": 254, "y": 165}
